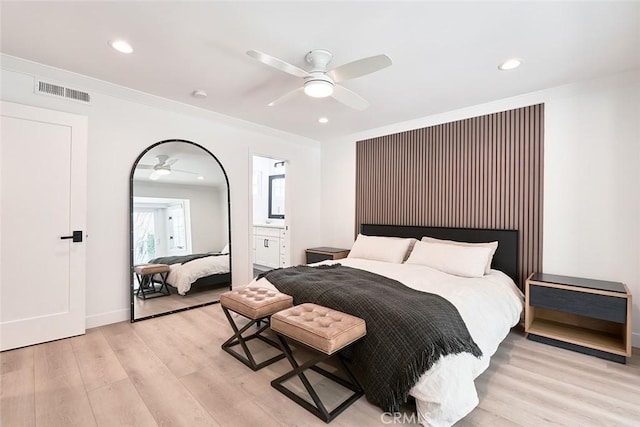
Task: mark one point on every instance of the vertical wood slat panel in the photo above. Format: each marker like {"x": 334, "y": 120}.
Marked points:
{"x": 482, "y": 172}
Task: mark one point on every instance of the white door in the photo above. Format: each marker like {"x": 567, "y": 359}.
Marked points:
{"x": 43, "y": 179}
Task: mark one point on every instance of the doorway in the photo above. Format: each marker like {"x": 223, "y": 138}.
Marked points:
{"x": 269, "y": 229}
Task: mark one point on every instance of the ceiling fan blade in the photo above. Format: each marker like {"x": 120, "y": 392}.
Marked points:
{"x": 178, "y": 170}
{"x": 287, "y": 96}
{"x": 359, "y": 68}
{"x": 170, "y": 162}
{"x": 144, "y": 166}
{"x": 349, "y": 98}
{"x": 277, "y": 63}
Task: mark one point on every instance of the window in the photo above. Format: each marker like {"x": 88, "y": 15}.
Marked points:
{"x": 161, "y": 227}
{"x": 144, "y": 235}
{"x": 276, "y": 196}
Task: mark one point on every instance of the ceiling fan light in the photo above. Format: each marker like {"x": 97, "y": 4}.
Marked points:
{"x": 163, "y": 171}
{"x": 318, "y": 88}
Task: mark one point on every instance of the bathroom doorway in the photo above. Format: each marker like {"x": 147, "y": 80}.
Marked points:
{"x": 269, "y": 230}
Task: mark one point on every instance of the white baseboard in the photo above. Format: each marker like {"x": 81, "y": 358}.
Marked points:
{"x": 108, "y": 318}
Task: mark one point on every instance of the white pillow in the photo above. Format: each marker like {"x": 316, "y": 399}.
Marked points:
{"x": 465, "y": 261}
{"x": 492, "y": 245}
{"x": 377, "y": 248}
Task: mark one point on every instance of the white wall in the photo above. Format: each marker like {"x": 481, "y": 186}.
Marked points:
{"x": 591, "y": 179}
{"x": 122, "y": 123}
{"x": 207, "y": 206}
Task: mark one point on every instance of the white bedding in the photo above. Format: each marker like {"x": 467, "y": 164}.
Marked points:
{"x": 183, "y": 275}
{"x": 490, "y": 306}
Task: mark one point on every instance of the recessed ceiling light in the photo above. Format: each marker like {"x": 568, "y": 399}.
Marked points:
{"x": 509, "y": 64}
{"x": 199, "y": 94}
{"x": 323, "y": 120}
{"x": 121, "y": 46}
{"x": 200, "y": 177}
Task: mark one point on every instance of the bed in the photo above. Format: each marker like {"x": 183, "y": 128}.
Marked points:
{"x": 196, "y": 271}
{"x": 487, "y": 300}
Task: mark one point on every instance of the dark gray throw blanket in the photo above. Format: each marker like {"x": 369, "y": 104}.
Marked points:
{"x": 407, "y": 330}
{"x": 182, "y": 259}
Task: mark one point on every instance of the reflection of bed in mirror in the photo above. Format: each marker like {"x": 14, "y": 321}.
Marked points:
{"x": 196, "y": 271}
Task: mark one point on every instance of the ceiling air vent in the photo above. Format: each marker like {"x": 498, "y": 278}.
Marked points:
{"x": 51, "y": 89}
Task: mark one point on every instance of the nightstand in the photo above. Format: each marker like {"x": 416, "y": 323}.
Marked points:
{"x": 325, "y": 253}
{"x": 584, "y": 315}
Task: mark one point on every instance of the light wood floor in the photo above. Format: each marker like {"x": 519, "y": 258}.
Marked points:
{"x": 171, "y": 371}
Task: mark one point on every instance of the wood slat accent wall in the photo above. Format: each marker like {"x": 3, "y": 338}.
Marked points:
{"x": 482, "y": 172}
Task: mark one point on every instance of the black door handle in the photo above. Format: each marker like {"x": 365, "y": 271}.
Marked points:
{"x": 76, "y": 236}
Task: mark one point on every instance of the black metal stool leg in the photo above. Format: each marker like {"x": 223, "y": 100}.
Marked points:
{"x": 163, "y": 283}
{"x": 319, "y": 409}
{"x": 143, "y": 284}
{"x": 239, "y": 339}
{"x": 139, "y": 290}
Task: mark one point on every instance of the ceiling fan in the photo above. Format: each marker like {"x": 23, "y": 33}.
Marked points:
{"x": 163, "y": 167}
{"x": 320, "y": 82}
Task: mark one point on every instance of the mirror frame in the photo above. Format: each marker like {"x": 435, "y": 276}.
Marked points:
{"x": 131, "y": 255}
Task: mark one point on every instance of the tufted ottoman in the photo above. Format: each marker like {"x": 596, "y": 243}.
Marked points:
{"x": 324, "y": 331}
{"x": 146, "y": 286}
{"x": 256, "y": 304}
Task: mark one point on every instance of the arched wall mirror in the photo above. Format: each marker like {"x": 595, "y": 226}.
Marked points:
{"x": 179, "y": 229}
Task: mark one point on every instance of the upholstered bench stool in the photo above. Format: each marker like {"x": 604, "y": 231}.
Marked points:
{"x": 257, "y": 305}
{"x": 325, "y": 332}
{"x": 146, "y": 286}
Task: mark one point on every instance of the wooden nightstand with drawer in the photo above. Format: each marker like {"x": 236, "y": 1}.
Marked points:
{"x": 325, "y": 253}
{"x": 584, "y": 315}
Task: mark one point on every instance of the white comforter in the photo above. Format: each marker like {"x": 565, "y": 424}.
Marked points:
{"x": 183, "y": 275}
{"x": 490, "y": 306}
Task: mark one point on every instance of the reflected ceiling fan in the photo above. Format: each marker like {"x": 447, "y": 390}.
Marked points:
{"x": 320, "y": 82}
{"x": 163, "y": 167}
